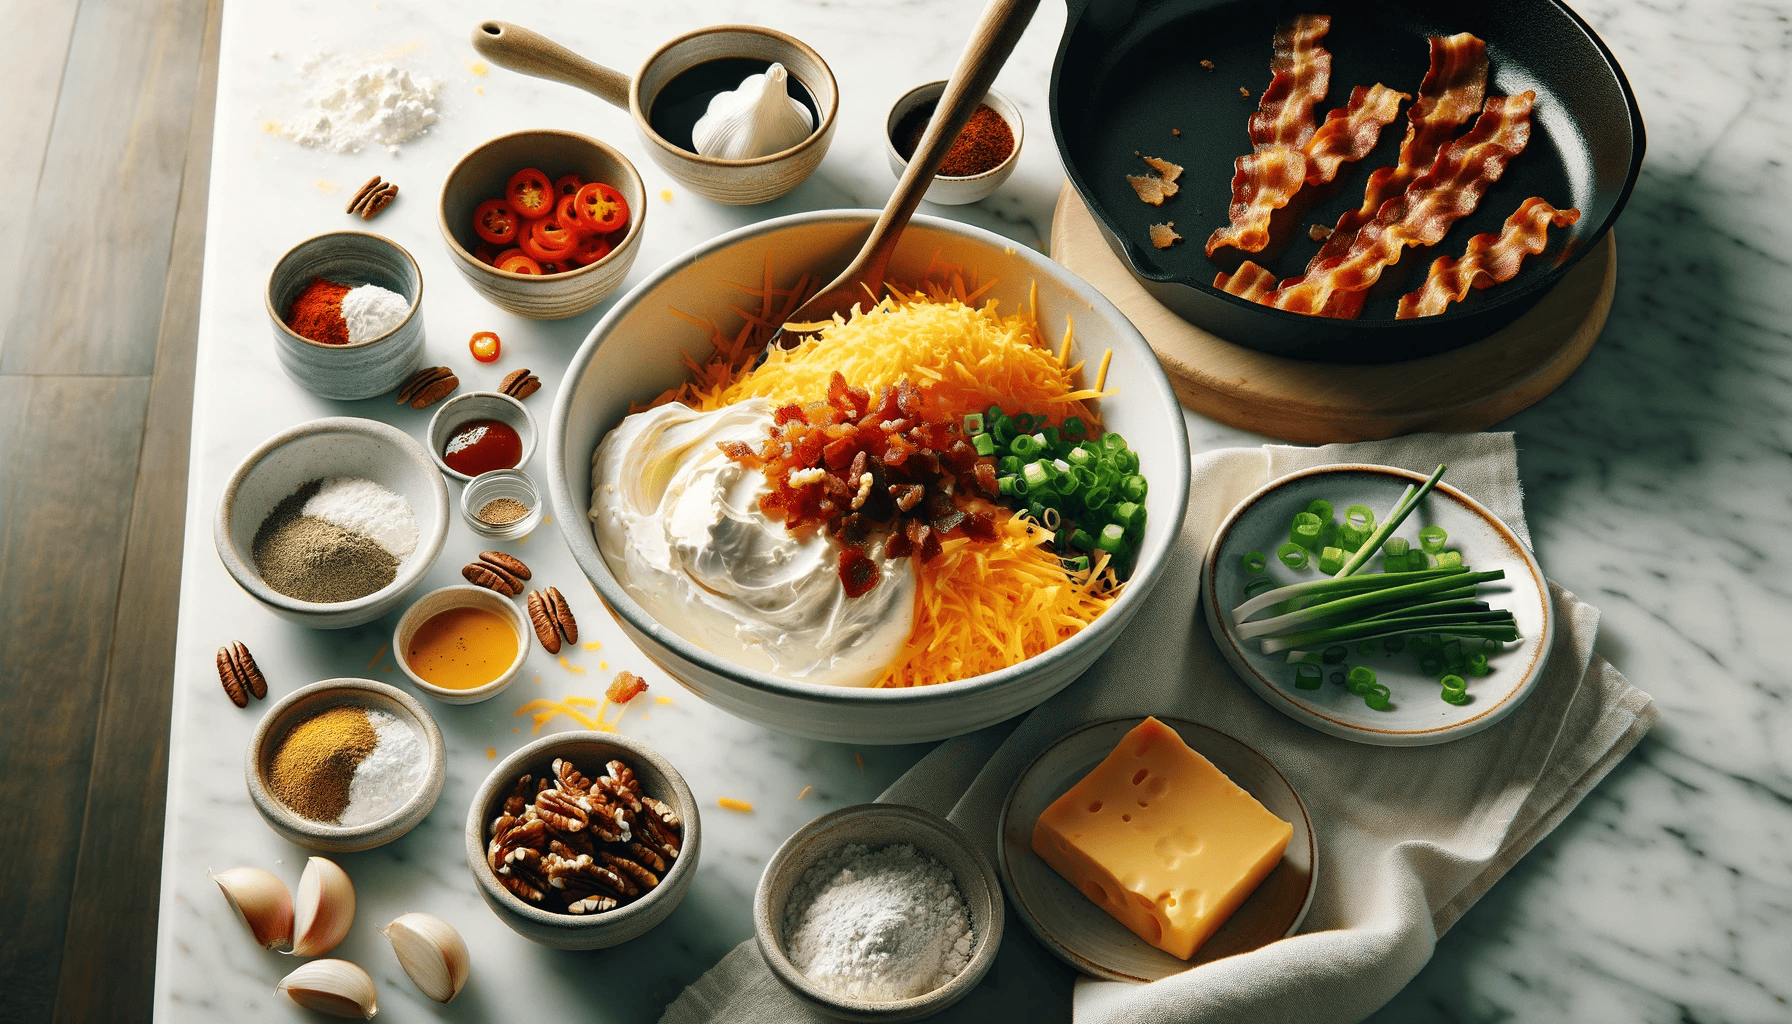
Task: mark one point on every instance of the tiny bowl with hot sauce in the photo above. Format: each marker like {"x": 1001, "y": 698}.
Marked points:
{"x": 446, "y": 678}
{"x": 462, "y": 410}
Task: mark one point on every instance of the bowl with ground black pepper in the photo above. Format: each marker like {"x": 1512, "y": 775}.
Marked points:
{"x": 980, "y": 160}
{"x": 331, "y": 523}
{"x": 343, "y": 307}
{"x": 345, "y": 765}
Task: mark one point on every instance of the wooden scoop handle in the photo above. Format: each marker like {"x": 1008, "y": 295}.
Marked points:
{"x": 531, "y": 53}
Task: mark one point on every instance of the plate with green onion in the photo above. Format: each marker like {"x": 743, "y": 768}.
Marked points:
{"x": 1378, "y": 605}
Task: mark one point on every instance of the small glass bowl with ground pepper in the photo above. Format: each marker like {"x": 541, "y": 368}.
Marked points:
{"x": 981, "y": 159}
{"x": 501, "y": 505}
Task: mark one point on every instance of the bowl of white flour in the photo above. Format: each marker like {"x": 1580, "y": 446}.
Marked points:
{"x": 879, "y": 912}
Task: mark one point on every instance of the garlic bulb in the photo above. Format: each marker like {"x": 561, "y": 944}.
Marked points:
{"x": 335, "y": 987}
{"x": 758, "y": 119}
{"x": 432, "y": 953}
{"x": 324, "y": 908}
{"x": 261, "y": 901}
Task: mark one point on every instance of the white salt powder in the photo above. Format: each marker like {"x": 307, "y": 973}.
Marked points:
{"x": 352, "y": 104}
{"x": 878, "y": 925}
{"x": 389, "y": 776}
{"x": 364, "y": 507}
{"x": 371, "y": 311}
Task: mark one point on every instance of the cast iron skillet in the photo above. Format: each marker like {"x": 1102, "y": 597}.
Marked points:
{"x": 1128, "y": 72}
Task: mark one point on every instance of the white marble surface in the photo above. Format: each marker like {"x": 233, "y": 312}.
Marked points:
{"x": 1659, "y": 482}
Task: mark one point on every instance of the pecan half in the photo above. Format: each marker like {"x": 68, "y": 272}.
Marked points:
{"x": 569, "y": 628}
{"x": 571, "y": 779}
{"x": 362, "y": 193}
{"x": 491, "y": 577}
{"x": 246, "y": 669}
{"x": 427, "y": 387}
{"x": 561, "y": 811}
{"x": 234, "y": 686}
{"x": 509, "y": 563}
{"x": 542, "y": 618}
{"x": 520, "y": 384}
{"x": 377, "y": 201}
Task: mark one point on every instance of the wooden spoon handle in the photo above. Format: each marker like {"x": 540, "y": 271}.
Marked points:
{"x": 531, "y": 53}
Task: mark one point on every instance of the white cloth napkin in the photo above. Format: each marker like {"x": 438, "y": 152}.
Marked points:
{"x": 1409, "y": 838}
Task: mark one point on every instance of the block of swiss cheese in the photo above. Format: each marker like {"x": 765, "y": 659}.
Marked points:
{"x": 1161, "y": 839}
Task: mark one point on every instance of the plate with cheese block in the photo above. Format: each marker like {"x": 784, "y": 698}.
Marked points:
{"x": 1138, "y": 848}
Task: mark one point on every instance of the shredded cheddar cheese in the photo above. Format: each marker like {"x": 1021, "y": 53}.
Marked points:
{"x": 730, "y": 804}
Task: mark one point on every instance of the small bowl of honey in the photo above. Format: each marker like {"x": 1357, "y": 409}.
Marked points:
{"x": 462, "y": 644}
{"x": 479, "y": 432}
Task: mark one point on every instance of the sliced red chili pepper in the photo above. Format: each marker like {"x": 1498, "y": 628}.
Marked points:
{"x": 590, "y": 249}
{"x": 566, "y": 211}
{"x": 548, "y": 239}
{"x": 495, "y": 222}
{"x": 518, "y": 262}
{"x": 602, "y": 208}
{"x": 568, "y": 184}
{"x": 485, "y": 346}
{"x": 505, "y": 254}
{"x": 530, "y": 193}
{"x": 553, "y": 267}
{"x": 486, "y": 253}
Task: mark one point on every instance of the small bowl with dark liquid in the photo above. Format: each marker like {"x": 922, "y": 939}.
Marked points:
{"x": 481, "y": 432}
{"x": 673, "y": 89}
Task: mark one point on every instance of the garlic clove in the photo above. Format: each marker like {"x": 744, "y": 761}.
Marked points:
{"x": 323, "y": 908}
{"x": 261, "y": 901}
{"x": 335, "y": 987}
{"x": 432, "y": 953}
{"x": 757, "y": 119}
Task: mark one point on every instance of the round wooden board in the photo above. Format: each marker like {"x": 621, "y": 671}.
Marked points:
{"x": 1466, "y": 389}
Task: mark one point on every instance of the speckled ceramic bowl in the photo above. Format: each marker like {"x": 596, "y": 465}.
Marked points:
{"x": 334, "y": 446}
{"x": 363, "y": 369}
{"x": 308, "y": 701}
{"x": 876, "y": 825}
{"x": 481, "y": 175}
{"x": 480, "y": 405}
{"x": 588, "y": 751}
{"x": 944, "y": 190}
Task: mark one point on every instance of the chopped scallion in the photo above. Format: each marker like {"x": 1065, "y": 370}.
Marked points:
{"x": 1292, "y": 555}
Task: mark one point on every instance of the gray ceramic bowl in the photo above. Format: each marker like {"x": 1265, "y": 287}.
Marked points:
{"x": 311, "y": 700}
{"x": 363, "y": 369}
{"x": 480, "y": 405}
{"x": 877, "y": 825}
{"x": 481, "y": 175}
{"x": 461, "y": 596}
{"x": 633, "y": 354}
{"x": 588, "y": 751}
{"x": 333, "y": 446}
{"x": 953, "y": 191}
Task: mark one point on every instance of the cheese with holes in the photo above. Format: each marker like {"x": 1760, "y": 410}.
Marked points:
{"x": 1161, "y": 839}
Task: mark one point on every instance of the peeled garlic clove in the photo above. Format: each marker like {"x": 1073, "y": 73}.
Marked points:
{"x": 323, "y": 909}
{"x": 432, "y": 953}
{"x": 335, "y": 987}
{"x": 758, "y": 119}
{"x": 261, "y": 901}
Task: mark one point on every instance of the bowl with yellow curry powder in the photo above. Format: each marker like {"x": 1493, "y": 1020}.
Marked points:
{"x": 345, "y": 765}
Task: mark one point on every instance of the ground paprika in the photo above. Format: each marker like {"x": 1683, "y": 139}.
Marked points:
{"x": 316, "y": 313}
{"x": 984, "y": 143}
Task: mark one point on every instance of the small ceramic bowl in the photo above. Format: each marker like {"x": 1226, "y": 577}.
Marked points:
{"x": 479, "y": 405}
{"x": 461, "y": 596}
{"x": 333, "y": 446}
{"x": 489, "y": 487}
{"x": 588, "y": 751}
{"x": 953, "y": 191}
{"x": 362, "y": 369}
{"x": 876, "y": 825}
{"x": 308, "y": 701}
{"x": 482, "y": 174}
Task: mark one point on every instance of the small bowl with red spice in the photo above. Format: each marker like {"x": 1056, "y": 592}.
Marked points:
{"x": 481, "y": 432}
{"x": 979, "y": 161}
{"x": 343, "y": 306}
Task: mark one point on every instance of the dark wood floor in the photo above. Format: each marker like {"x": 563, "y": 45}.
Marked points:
{"x": 108, "y": 121}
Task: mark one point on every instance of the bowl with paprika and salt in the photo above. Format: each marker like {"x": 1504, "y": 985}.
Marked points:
{"x": 345, "y": 764}
{"x": 981, "y": 159}
{"x": 343, "y": 306}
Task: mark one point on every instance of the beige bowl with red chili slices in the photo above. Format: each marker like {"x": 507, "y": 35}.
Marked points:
{"x": 533, "y": 192}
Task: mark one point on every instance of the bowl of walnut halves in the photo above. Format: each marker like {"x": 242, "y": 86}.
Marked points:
{"x": 583, "y": 840}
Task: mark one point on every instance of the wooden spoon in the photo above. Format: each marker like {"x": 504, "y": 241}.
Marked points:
{"x": 992, "y": 40}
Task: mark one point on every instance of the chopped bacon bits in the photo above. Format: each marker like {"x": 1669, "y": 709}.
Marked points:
{"x": 1318, "y": 232}
{"x": 1207, "y": 64}
{"x": 626, "y": 687}
{"x": 1163, "y": 235}
{"x": 858, "y": 573}
{"x": 1242, "y": 91}
{"x": 1153, "y": 189}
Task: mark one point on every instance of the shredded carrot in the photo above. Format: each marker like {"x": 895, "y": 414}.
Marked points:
{"x": 806, "y": 791}
{"x": 377, "y": 657}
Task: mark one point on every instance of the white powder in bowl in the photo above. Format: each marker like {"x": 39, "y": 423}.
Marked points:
{"x": 371, "y": 311}
{"x": 878, "y": 925}
{"x": 352, "y": 104}
{"x": 364, "y": 507}
{"x": 389, "y": 776}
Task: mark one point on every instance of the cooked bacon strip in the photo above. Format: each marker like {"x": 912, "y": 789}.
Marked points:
{"x": 1491, "y": 259}
{"x": 1450, "y": 94}
{"x": 1350, "y": 132}
{"x": 1420, "y": 216}
{"x": 1250, "y": 282}
{"x": 1267, "y": 177}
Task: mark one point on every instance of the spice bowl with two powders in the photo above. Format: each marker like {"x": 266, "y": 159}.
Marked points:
{"x": 345, "y": 765}
{"x": 331, "y": 523}
{"x": 343, "y": 307}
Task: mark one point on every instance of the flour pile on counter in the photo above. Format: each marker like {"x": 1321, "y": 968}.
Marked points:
{"x": 352, "y": 104}
{"x": 878, "y": 925}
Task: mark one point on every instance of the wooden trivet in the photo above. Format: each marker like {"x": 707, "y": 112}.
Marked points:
{"x": 1469, "y": 388}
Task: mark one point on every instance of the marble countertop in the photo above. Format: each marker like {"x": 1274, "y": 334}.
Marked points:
{"x": 1659, "y": 486}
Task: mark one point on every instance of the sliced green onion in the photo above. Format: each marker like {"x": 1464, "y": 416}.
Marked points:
{"x": 1130, "y": 514}
{"x": 1408, "y": 501}
{"x": 1253, "y": 562}
{"x": 1112, "y": 539}
{"x": 1025, "y": 446}
{"x": 1024, "y": 421}
{"x": 1395, "y": 546}
{"x": 985, "y": 444}
{"x": 973, "y": 423}
{"x": 1006, "y": 485}
{"x": 1082, "y": 539}
{"x": 1293, "y": 556}
{"x": 1113, "y": 442}
{"x": 1003, "y": 430}
{"x": 1337, "y": 678}
{"x": 1079, "y": 456}
{"x": 1307, "y": 531}
{"x": 1078, "y": 564}
{"x": 1335, "y": 655}
{"x": 1376, "y": 696}
{"x": 1308, "y": 677}
{"x": 1052, "y": 437}
{"x": 1449, "y": 559}
{"x": 1432, "y": 538}
{"x": 1035, "y": 475}
{"x": 1321, "y": 508}
{"x": 1360, "y": 678}
{"x": 1134, "y": 487}
{"x": 1097, "y": 495}
{"x": 1331, "y": 560}
{"x": 1073, "y": 427}
{"x": 1252, "y": 587}
{"x": 1477, "y": 664}
{"x": 1360, "y": 517}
